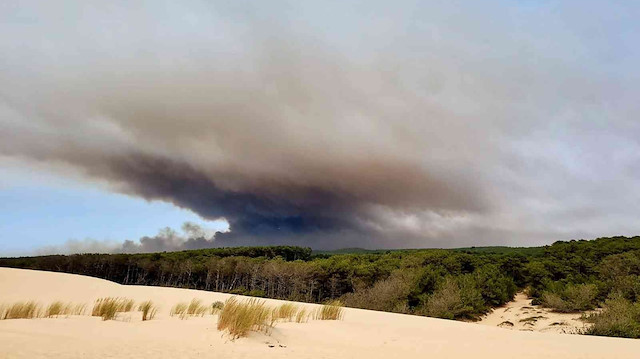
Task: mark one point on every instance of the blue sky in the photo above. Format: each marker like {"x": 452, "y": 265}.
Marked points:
{"x": 40, "y": 209}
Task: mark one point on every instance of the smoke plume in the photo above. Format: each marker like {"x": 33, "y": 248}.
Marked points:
{"x": 404, "y": 127}
{"x": 193, "y": 236}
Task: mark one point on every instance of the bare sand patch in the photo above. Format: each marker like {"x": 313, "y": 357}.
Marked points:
{"x": 521, "y": 315}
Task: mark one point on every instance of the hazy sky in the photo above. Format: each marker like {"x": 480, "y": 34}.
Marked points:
{"x": 326, "y": 124}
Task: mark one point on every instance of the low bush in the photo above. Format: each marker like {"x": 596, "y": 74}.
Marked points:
{"x": 572, "y": 298}
{"x": 496, "y": 289}
{"x": 553, "y": 301}
{"x": 445, "y": 302}
{"x": 454, "y": 298}
{"x": 387, "y": 295}
{"x": 619, "y": 318}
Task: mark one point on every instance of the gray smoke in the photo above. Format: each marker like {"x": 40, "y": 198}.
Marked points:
{"x": 192, "y": 236}
{"x": 417, "y": 125}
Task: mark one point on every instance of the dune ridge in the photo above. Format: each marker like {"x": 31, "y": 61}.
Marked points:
{"x": 361, "y": 333}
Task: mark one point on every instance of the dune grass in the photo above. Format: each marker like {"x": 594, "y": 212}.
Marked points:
{"x": 302, "y": 316}
{"x": 185, "y": 310}
{"x": 216, "y": 307}
{"x": 239, "y": 318}
{"x": 148, "y": 310}
{"x": 20, "y": 310}
{"x": 180, "y": 310}
{"x": 128, "y": 305}
{"x": 330, "y": 311}
{"x": 109, "y": 307}
{"x": 286, "y": 312}
{"x": 59, "y": 308}
{"x": 196, "y": 308}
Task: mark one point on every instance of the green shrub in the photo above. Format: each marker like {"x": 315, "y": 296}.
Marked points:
{"x": 573, "y": 298}
{"x": 455, "y": 298}
{"x": 445, "y": 302}
{"x": 389, "y": 294}
{"x": 496, "y": 288}
{"x": 256, "y": 293}
{"x": 553, "y": 301}
{"x": 581, "y": 296}
{"x": 619, "y": 318}
{"x": 239, "y": 291}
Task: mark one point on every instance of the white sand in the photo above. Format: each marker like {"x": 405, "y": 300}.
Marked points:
{"x": 362, "y": 334}
{"x": 520, "y": 314}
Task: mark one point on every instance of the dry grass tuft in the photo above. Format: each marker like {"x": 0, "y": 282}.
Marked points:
{"x": 59, "y": 308}
{"x": 109, "y": 307}
{"x": 20, "y": 310}
{"x": 216, "y": 307}
{"x": 127, "y": 305}
{"x": 196, "y": 308}
{"x": 78, "y": 309}
{"x": 285, "y": 312}
{"x": 238, "y": 318}
{"x": 148, "y": 310}
{"x": 302, "y": 316}
{"x": 331, "y": 311}
{"x": 184, "y": 310}
{"x": 180, "y": 309}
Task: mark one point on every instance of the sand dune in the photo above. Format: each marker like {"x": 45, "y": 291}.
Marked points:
{"x": 520, "y": 314}
{"x": 362, "y": 334}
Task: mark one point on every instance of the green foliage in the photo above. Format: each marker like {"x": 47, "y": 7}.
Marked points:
{"x": 619, "y": 318}
{"x": 389, "y": 294}
{"x": 572, "y": 298}
{"x": 496, "y": 288}
{"x": 455, "y": 298}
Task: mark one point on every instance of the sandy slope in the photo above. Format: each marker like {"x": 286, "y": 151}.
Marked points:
{"x": 362, "y": 334}
{"x": 520, "y": 314}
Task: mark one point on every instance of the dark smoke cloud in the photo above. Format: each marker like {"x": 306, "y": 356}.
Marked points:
{"x": 380, "y": 130}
